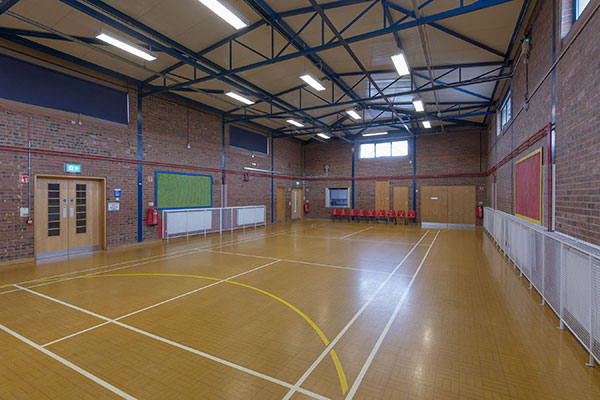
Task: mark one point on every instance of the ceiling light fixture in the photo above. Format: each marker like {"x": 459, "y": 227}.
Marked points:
{"x": 295, "y": 123}
{"x": 427, "y": 124}
{"x": 401, "y": 64}
{"x": 419, "y": 107}
{"x": 324, "y": 136}
{"x": 375, "y": 134}
{"x": 125, "y": 45}
{"x": 239, "y": 97}
{"x": 313, "y": 82}
{"x": 353, "y": 114}
{"x": 225, "y": 11}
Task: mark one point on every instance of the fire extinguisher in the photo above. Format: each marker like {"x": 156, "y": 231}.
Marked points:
{"x": 479, "y": 212}
{"x": 152, "y": 218}
{"x": 306, "y": 207}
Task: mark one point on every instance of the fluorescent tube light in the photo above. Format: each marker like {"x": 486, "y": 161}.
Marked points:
{"x": 401, "y": 64}
{"x": 313, "y": 82}
{"x": 353, "y": 114}
{"x": 239, "y": 97}
{"x": 225, "y": 11}
{"x": 418, "y": 105}
{"x": 375, "y": 134}
{"x": 427, "y": 124}
{"x": 295, "y": 123}
{"x": 125, "y": 45}
{"x": 322, "y": 135}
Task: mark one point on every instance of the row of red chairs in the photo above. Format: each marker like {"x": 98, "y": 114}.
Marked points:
{"x": 351, "y": 213}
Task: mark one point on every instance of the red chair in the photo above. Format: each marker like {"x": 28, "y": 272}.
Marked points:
{"x": 391, "y": 214}
{"x": 336, "y": 213}
{"x": 371, "y": 214}
{"x": 361, "y": 213}
{"x": 412, "y": 214}
{"x": 401, "y": 214}
{"x": 353, "y": 214}
{"x": 344, "y": 213}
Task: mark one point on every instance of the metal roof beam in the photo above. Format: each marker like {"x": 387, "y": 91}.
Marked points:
{"x": 478, "y": 5}
{"x": 181, "y": 53}
{"x": 448, "y": 31}
{"x": 269, "y": 15}
{"x": 405, "y": 93}
{"x": 6, "y": 5}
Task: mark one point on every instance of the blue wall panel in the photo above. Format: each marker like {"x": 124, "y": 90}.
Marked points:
{"x": 32, "y": 84}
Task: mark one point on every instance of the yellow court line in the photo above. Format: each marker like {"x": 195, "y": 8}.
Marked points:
{"x": 332, "y": 353}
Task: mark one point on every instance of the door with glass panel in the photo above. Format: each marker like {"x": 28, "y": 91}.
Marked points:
{"x": 67, "y": 216}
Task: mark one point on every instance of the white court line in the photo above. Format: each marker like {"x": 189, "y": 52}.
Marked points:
{"x": 150, "y": 257}
{"x": 348, "y": 325}
{"x": 385, "y": 331}
{"x": 354, "y": 233}
{"x": 307, "y": 263}
{"x": 354, "y": 239}
{"x": 157, "y": 304}
{"x": 178, "y": 345}
{"x": 68, "y": 364}
{"x": 181, "y": 253}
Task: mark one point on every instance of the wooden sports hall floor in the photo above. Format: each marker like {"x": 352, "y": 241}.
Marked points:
{"x": 310, "y": 309}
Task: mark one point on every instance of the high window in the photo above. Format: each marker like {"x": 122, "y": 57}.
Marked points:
{"x": 579, "y": 7}
{"x": 505, "y": 113}
{"x": 397, "y": 148}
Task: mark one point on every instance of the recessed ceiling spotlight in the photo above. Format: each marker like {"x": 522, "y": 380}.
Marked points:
{"x": 225, "y": 11}
{"x": 125, "y": 45}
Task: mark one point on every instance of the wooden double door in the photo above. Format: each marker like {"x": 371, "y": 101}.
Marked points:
{"x": 69, "y": 216}
{"x": 399, "y": 196}
{"x": 448, "y": 204}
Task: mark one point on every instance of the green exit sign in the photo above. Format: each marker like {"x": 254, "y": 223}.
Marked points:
{"x": 73, "y": 168}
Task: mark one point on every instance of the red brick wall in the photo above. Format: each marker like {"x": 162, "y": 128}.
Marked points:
{"x": 457, "y": 152}
{"x": 168, "y": 125}
{"x": 577, "y": 121}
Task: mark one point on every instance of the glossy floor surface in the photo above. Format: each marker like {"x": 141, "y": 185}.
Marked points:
{"x": 311, "y": 309}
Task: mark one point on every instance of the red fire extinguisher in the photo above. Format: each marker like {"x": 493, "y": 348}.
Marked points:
{"x": 152, "y": 218}
{"x": 479, "y": 212}
{"x": 306, "y": 207}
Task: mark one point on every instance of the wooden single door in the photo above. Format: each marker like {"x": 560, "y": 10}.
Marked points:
{"x": 401, "y": 198}
{"x": 68, "y": 216}
{"x": 297, "y": 210}
{"x": 382, "y": 195}
{"x": 461, "y": 205}
{"x": 281, "y": 208}
{"x": 84, "y": 215}
{"x": 434, "y": 204}
{"x": 51, "y": 224}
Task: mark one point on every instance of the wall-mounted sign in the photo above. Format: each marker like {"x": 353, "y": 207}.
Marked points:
{"x": 297, "y": 183}
{"x": 24, "y": 178}
{"x": 73, "y": 168}
{"x": 117, "y": 193}
{"x": 113, "y": 206}
{"x": 150, "y": 178}
{"x": 24, "y": 212}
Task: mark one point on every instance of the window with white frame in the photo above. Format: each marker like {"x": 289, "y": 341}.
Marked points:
{"x": 579, "y": 7}
{"x": 398, "y": 148}
{"x": 504, "y": 114}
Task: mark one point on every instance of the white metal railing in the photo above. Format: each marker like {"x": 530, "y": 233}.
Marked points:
{"x": 565, "y": 271}
{"x": 200, "y": 221}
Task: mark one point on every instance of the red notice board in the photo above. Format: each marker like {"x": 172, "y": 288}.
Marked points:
{"x": 528, "y": 187}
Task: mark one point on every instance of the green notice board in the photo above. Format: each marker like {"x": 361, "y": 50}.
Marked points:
{"x": 178, "y": 190}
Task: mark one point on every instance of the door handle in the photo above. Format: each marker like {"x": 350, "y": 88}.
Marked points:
{"x": 64, "y": 211}
{"x": 71, "y": 212}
